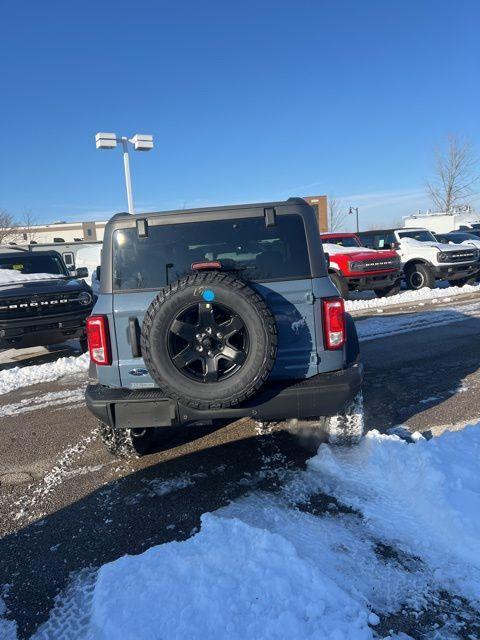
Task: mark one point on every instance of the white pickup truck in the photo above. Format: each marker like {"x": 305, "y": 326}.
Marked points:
{"x": 425, "y": 259}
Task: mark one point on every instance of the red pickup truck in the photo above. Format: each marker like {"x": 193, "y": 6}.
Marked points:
{"x": 356, "y": 268}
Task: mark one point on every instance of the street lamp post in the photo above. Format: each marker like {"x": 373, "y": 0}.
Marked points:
{"x": 139, "y": 141}
{"x": 355, "y": 210}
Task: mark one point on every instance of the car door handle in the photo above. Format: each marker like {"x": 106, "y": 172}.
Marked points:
{"x": 134, "y": 333}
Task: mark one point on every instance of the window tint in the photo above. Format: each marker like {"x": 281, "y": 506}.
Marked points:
{"x": 246, "y": 244}
{"x": 379, "y": 241}
{"x": 458, "y": 237}
{"x": 367, "y": 241}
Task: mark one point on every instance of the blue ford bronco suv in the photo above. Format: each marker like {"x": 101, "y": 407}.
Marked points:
{"x": 220, "y": 313}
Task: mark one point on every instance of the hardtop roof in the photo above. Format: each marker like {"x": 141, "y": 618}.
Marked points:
{"x": 230, "y": 207}
{"x": 372, "y": 232}
{"x": 338, "y": 234}
{"x": 7, "y": 251}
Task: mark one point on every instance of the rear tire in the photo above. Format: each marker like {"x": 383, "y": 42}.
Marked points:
{"x": 461, "y": 282}
{"x": 344, "y": 429}
{"x": 341, "y": 284}
{"x": 126, "y": 443}
{"x": 386, "y": 292}
{"x": 419, "y": 276}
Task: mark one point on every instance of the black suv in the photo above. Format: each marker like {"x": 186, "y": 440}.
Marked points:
{"x": 41, "y": 302}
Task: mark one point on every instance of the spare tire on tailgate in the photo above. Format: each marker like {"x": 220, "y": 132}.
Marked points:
{"x": 209, "y": 340}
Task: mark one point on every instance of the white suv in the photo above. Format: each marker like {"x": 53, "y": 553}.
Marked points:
{"x": 424, "y": 259}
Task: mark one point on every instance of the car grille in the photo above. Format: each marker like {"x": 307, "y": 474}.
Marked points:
{"x": 41, "y": 305}
{"x": 462, "y": 256}
{"x": 375, "y": 264}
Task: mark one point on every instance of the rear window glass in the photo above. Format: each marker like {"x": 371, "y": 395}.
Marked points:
{"x": 258, "y": 252}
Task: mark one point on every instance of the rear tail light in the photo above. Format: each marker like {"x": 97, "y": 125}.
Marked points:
{"x": 334, "y": 323}
{"x": 99, "y": 340}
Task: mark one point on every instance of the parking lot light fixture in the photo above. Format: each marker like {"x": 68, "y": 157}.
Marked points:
{"x": 355, "y": 210}
{"x": 140, "y": 142}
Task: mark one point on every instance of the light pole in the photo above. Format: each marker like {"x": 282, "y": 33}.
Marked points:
{"x": 139, "y": 141}
{"x": 351, "y": 211}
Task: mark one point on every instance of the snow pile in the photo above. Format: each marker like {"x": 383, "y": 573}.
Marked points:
{"x": 363, "y": 541}
{"x": 424, "y": 497}
{"x": 232, "y": 581}
{"x": 18, "y": 377}
{"x": 9, "y": 276}
{"x": 426, "y": 294}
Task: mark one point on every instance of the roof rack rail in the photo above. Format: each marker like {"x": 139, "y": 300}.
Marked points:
{"x": 12, "y": 245}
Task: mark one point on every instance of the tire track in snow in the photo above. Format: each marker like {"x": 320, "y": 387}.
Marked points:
{"x": 45, "y": 401}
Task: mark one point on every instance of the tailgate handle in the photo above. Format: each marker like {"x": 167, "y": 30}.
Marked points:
{"x": 134, "y": 332}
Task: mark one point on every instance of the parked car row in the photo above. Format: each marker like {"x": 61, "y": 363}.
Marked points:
{"x": 380, "y": 259}
{"x": 44, "y": 301}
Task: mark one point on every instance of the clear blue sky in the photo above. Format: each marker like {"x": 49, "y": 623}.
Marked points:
{"x": 248, "y": 101}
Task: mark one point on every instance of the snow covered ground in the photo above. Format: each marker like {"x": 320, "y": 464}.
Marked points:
{"x": 442, "y": 294}
{"x": 382, "y": 326}
{"x": 18, "y": 377}
{"x": 381, "y": 540}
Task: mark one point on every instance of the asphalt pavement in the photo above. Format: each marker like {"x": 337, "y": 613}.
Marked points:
{"x": 67, "y": 506}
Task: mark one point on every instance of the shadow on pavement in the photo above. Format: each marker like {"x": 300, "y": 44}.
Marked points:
{"x": 129, "y": 515}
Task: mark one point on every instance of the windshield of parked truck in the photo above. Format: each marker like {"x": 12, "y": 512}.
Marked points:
{"x": 259, "y": 252}
{"x": 421, "y": 235}
{"x": 457, "y": 237}
{"x": 30, "y": 267}
{"x": 342, "y": 241}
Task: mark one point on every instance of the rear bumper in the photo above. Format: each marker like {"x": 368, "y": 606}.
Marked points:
{"x": 373, "y": 281}
{"x": 321, "y": 395}
{"x": 28, "y": 332}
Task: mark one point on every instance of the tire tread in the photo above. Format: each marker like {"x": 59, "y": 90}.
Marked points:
{"x": 256, "y": 300}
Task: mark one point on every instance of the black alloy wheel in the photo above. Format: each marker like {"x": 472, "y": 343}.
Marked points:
{"x": 208, "y": 342}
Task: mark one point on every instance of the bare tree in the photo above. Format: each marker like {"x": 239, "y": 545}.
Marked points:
{"x": 27, "y": 227}
{"x": 455, "y": 174}
{"x": 336, "y": 216}
{"x": 8, "y": 229}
